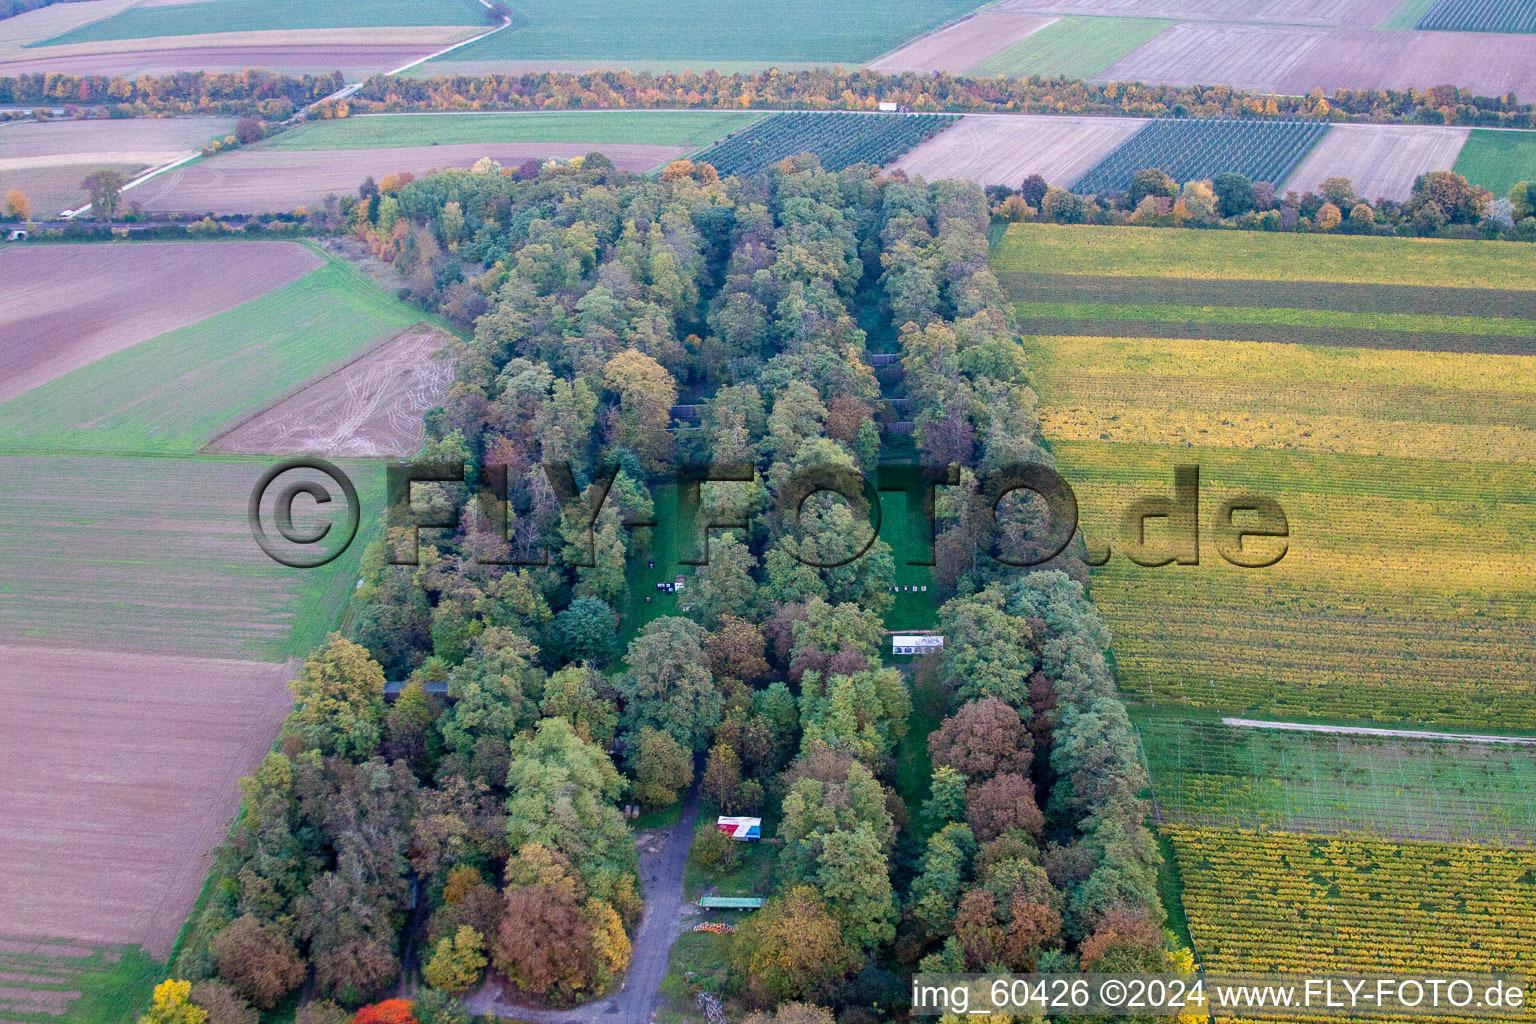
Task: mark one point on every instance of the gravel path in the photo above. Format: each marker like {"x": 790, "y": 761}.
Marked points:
{"x": 1355, "y": 730}
{"x": 661, "y": 873}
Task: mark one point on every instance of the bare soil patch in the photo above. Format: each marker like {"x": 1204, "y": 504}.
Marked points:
{"x": 30, "y": 139}
{"x": 1381, "y": 159}
{"x": 118, "y": 781}
{"x": 65, "y": 306}
{"x": 1297, "y": 60}
{"x": 1360, "y": 13}
{"x": 1000, "y": 149}
{"x": 354, "y": 60}
{"x": 250, "y": 180}
{"x": 371, "y": 407}
{"x": 964, "y": 44}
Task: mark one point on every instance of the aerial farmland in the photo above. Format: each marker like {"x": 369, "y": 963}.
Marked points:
{"x": 680, "y": 512}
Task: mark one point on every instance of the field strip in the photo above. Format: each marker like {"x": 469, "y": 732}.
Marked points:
{"x": 27, "y": 163}
{"x": 1360, "y": 730}
{"x": 401, "y": 35}
{"x": 963, "y": 44}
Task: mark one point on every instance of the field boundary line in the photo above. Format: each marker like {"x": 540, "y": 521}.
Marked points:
{"x": 1359, "y": 730}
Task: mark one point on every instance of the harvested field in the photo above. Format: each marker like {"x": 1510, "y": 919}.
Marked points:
{"x": 1360, "y": 13}
{"x": 226, "y": 16}
{"x": 57, "y": 187}
{"x": 355, "y": 60}
{"x": 371, "y": 407}
{"x": 1004, "y": 149}
{"x": 92, "y": 141}
{"x": 1382, "y": 160}
{"x": 170, "y": 394}
{"x": 67, "y": 306}
{"x": 1297, "y": 60}
{"x": 47, "y": 22}
{"x": 249, "y": 181}
{"x": 960, "y": 46}
{"x": 119, "y": 780}
{"x": 157, "y": 556}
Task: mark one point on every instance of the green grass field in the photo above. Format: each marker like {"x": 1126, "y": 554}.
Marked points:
{"x": 257, "y": 15}
{"x": 64, "y": 983}
{"x": 1497, "y": 159}
{"x": 156, "y": 554}
{"x": 1071, "y": 47}
{"x": 809, "y": 31}
{"x": 1237, "y": 255}
{"x": 659, "y": 128}
{"x": 1407, "y": 14}
{"x": 1213, "y": 775}
{"x": 170, "y": 394}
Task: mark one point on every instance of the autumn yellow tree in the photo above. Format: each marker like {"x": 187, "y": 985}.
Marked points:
{"x": 646, "y": 393}
{"x": 17, "y": 205}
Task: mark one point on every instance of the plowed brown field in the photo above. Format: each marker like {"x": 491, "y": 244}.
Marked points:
{"x": 118, "y": 780}
{"x": 249, "y": 181}
{"x": 1381, "y": 159}
{"x": 64, "y": 306}
{"x": 962, "y": 45}
{"x": 1003, "y": 149}
{"x": 1296, "y": 60}
{"x": 371, "y": 407}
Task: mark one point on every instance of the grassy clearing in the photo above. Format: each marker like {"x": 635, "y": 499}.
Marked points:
{"x": 1071, "y": 47}
{"x": 1404, "y": 595}
{"x": 383, "y": 131}
{"x": 1497, "y": 160}
{"x": 257, "y": 15}
{"x": 816, "y": 31}
{"x": 151, "y": 554}
{"x": 1209, "y": 774}
{"x": 170, "y": 394}
{"x": 62, "y": 983}
{"x": 1236, "y": 255}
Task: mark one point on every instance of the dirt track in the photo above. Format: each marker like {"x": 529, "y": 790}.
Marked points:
{"x": 249, "y": 181}
{"x": 1296, "y": 60}
{"x": 118, "y": 779}
{"x": 962, "y": 45}
{"x": 1361, "y": 13}
{"x": 65, "y": 306}
{"x": 371, "y": 407}
{"x": 1003, "y": 149}
{"x": 1381, "y": 159}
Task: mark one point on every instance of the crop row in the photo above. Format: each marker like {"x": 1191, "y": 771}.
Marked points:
{"x": 1261, "y": 901}
{"x": 1191, "y": 149}
{"x": 1207, "y": 773}
{"x": 1480, "y": 16}
{"x": 1404, "y": 594}
{"x": 1082, "y": 249}
{"x": 1338, "y": 297}
{"x": 838, "y": 140}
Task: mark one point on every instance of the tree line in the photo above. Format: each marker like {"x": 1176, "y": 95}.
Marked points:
{"x": 275, "y": 97}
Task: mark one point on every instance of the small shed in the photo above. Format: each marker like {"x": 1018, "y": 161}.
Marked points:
{"x": 743, "y": 830}
{"x": 916, "y": 644}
